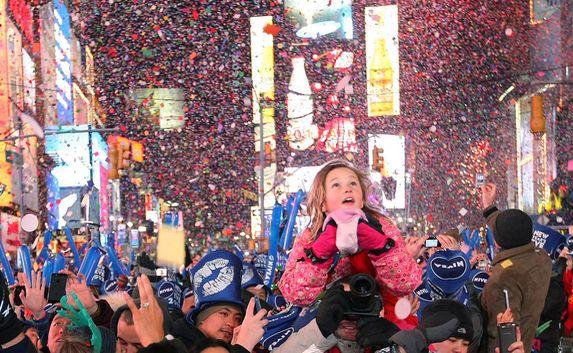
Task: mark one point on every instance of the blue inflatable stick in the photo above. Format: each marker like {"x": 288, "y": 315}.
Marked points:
{"x": 45, "y": 253}
{"x": 273, "y": 245}
{"x": 47, "y": 271}
{"x": 25, "y": 262}
{"x": 117, "y": 267}
{"x": 490, "y": 244}
{"x": 59, "y": 262}
{"x": 73, "y": 246}
{"x": 8, "y": 272}
{"x": 90, "y": 264}
{"x": 286, "y": 240}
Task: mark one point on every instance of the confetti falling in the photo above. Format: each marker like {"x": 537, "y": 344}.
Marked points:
{"x": 456, "y": 58}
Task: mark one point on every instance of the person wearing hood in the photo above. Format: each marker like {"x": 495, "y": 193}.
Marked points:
{"x": 219, "y": 312}
{"x": 549, "y": 331}
{"x": 449, "y": 276}
{"x": 519, "y": 268}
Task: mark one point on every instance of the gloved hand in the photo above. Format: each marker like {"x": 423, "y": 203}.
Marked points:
{"x": 371, "y": 237}
{"x": 347, "y": 224}
{"x": 10, "y": 326}
{"x": 324, "y": 246}
{"x": 331, "y": 310}
{"x": 375, "y": 332}
{"x": 439, "y": 327}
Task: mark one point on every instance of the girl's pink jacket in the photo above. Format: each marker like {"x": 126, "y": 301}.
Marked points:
{"x": 396, "y": 270}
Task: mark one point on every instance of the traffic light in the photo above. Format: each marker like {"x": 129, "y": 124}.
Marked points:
{"x": 378, "y": 159}
{"x": 124, "y": 155}
{"x": 537, "y": 118}
{"x": 113, "y": 160}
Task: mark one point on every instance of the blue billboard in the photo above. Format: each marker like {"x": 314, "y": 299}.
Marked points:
{"x": 70, "y": 180}
{"x": 63, "y": 52}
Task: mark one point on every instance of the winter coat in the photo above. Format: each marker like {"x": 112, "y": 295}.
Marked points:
{"x": 303, "y": 281}
{"x": 525, "y": 272}
{"x": 189, "y": 335}
{"x": 309, "y": 339}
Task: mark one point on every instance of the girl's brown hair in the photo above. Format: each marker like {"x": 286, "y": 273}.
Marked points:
{"x": 317, "y": 195}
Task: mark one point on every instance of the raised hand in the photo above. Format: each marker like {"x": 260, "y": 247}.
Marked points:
{"x": 448, "y": 242}
{"x": 505, "y": 317}
{"x": 33, "y": 299}
{"x": 252, "y": 328}
{"x": 415, "y": 246}
{"x": 488, "y": 194}
{"x": 79, "y": 286}
{"x": 148, "y": 318}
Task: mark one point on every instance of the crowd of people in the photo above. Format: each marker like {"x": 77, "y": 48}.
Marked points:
{"x": 352, "y": 283}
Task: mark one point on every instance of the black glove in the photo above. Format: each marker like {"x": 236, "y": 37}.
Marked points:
{"x": 10, "y": 326}
{"x": 375, "y": 332}
{"x": 331, "y": 310}
{"x": 439, "y": 327}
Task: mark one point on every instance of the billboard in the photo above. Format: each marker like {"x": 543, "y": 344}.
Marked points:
{"x": 263, "y": 72}
{"x": 389, "y": 181}
{"x": 71, "y": 153}
{"x": 382, "y": 60}
{"x": 4, "y": 98}
{"x": 10, "y": 232}
{"x": 525, "y": 156}
{"x": 299, "y": 178}
{"x": 6, "y": 195}
{"x": 165, "y": 106}
{"x": 63, "y": 56}
{"x": 69, "y": 179}
{"x": 312, "y": 19}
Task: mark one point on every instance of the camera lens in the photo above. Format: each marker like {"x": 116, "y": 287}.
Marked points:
{"x": 362, "y": 293}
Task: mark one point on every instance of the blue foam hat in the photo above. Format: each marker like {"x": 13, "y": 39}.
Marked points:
{"x": 216, "y": 281}
{"x": 549, "y": 240}
{"x": 250, "y": 276}
{"x": 447, "y": 272}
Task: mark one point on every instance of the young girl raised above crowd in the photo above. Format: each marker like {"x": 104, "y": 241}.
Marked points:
{"x": 346, "y": 235}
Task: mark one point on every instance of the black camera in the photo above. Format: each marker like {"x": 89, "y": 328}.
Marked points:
{"x": 364, "y": 297}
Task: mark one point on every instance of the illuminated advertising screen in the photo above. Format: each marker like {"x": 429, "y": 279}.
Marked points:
{"x": 525, "y": 169}
{"x": 71, "y": 153}
{"x": 63, "y": 53}
{"x": 6, "y": 196}
{"x": 15, "y": 65}
{"x": 312, "y": 19}
{"x": 541, "y": 10}
{"x": 10, "y": 232}
{"x": 164, "y": 106}
{"x": 317, "y": 69}
{"x": 262, "y": 65}
{"x": 389, "y": 179}
{"x": 299, "y": 178}
{"x": 71, "y": 174}
{"x": 382, "y": 60}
